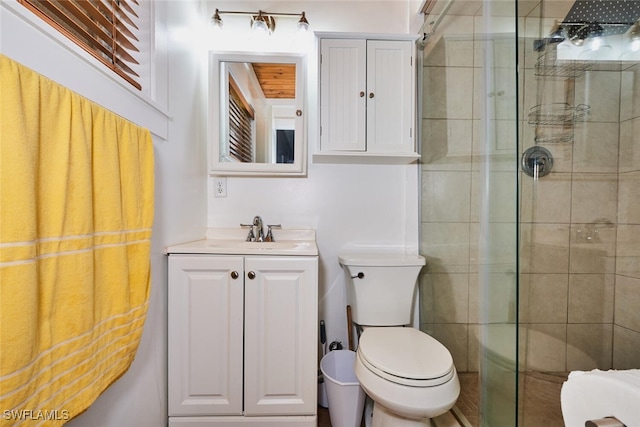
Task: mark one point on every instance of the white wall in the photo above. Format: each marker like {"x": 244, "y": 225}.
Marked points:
{"x": 348, "y": 205}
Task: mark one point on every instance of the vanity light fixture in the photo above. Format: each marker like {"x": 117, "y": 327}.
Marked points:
{"x": 261, "y": 21}
{"x": 263, "y": 24}
{"x": 216, "y": 21}
{"x": 303, "y": 24}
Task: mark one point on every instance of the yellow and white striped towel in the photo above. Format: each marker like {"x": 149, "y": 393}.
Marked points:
{"x": 76, "y": 211}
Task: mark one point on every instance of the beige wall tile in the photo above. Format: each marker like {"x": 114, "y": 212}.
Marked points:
{"x": 547, "y": 199}
{"x": 627, "y": 303}
{"x": 629, "y": 155}
{"x": 595, "y": 147}
{"x": 493, "y": 246}
{"x": 543, "y": 298}
{"x": 451, "y": 93}
{"x": 426, "y": 301}
{"x": 591, "y": 298}
{"x": 630, "y": 95}
{"x": 446, "y": 247}
{"x": 492, "y": 297}
{"x": 593, "y": 198}
{"x": 544, "y": 248}
{"x": 546, "y": 347}
{"x": 500, "y": 206}
{"x": 451, "y": 52}
{"x": 592, "y": 248}
{"x": 494, "y": 145}
{"x": 454, "y": 337}
{"x": 628, "y": 250}
{"x": 629, "y": 198}
{"x": 625, "y": 348}
{"x": 601, "y": 91}
{"x": 450, "y": 294}
{"x": 446, "y": 144}
{"x": 473, "y": 349}
{"x": 446, "y": 196}
{"x": 589, "y": 346}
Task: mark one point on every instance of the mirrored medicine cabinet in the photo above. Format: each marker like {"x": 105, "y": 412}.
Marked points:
{"x": 256, "y": 122}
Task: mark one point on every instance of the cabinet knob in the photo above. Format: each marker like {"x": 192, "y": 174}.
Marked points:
{"x": 298, "y": 113}
{"x": 251, "y": 275}
{"x": 361, "y": 94}
{"x": 371, "y": 95}
{"x": 234, "y": 275}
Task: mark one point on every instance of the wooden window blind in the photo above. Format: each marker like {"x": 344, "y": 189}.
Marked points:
{"x": 241, "y": 116}
{"x": 104, "y": 28}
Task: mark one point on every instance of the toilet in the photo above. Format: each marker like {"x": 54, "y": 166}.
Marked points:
{"x": 409, "y": 375}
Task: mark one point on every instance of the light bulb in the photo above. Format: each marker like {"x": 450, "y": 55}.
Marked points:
{"x": 303, "y": 24}
{"x": 216, "y": 21}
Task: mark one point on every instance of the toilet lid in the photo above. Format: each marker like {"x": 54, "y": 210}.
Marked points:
{"x": 405, "y": 356}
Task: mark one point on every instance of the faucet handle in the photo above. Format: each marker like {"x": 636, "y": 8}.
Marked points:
{"x": 269, "y": 236}
{"x": 251, "y": 237}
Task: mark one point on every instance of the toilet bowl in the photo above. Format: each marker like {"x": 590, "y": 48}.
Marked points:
{"x": 409, "y": 375}
{"x": 596, "y": 395}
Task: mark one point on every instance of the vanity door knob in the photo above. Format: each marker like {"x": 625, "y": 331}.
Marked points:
{"x": 371, "y": 95}
{"x": 361, "y": 94}
{"x": 234, "y": 275}
{"x": 251, "y": 275}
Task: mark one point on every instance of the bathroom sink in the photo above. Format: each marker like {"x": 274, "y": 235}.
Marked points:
{"x": 231, "y": 242}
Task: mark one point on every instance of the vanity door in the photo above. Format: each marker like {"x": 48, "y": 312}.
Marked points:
{"x": 205, "y": 335}
{"x": 280, "y": 335}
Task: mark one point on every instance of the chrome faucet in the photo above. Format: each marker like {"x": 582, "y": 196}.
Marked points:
{"x": 256, "y": 231}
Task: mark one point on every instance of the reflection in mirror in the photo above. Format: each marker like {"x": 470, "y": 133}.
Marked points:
{"x": 260, "y": 121}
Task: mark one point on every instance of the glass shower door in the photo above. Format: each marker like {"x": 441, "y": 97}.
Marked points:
{"x": 469, "y": 91}
{"x": 497, "y": 224}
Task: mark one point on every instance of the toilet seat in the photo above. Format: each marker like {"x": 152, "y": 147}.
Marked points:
{"x": 405, "y": 356}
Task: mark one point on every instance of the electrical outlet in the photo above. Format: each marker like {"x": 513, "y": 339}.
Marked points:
{"x": 220, "y": 187}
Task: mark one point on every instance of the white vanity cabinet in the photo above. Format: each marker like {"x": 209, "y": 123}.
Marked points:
{"x": 242, "y": 340}
{"x": 367, "y": 96}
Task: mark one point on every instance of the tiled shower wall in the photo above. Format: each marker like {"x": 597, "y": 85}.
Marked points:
{"x": 579, "y": 226}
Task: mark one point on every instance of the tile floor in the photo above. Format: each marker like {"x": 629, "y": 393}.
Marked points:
{"x": 540, "y": 401}
{"x": 540, "y": 407}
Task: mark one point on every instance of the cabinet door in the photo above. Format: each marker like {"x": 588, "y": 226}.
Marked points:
{"x": 390, "y": 96}
{"x": 342, "y": 95}
{"x": 280, "y": 335}
{"x": 205, "y": 335}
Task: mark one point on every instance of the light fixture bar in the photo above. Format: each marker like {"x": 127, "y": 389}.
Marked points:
{"x": 261, "y": 20}
{"x": 233, "y": 12}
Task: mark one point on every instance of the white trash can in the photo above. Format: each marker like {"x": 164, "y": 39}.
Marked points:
{"x": 345, "y": 396}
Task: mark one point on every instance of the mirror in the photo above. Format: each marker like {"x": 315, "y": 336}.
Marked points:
{"x": 257, "y": 117}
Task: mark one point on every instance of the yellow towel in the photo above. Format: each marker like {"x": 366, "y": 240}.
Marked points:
{"x": 76, "y": 210}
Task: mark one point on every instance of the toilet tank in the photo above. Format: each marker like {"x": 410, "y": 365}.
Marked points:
{"x": 380, "y": 287}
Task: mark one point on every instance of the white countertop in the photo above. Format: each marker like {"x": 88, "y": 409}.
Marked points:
{"x": 231, "y": 241}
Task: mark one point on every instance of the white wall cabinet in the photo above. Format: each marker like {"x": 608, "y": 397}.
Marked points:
{"x": 367, "y": 97}
{"x": 242, "y": 340}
